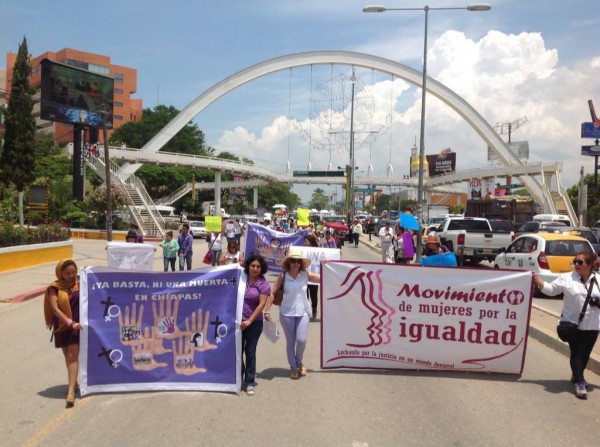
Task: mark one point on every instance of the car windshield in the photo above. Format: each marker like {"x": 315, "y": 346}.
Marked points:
{"x": 566, "y": 248}
{"x": 196, "y": 224}
{"x": 502, "y": 226}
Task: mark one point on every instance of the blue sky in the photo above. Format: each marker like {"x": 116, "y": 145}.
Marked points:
{"x": 529, "y": 58}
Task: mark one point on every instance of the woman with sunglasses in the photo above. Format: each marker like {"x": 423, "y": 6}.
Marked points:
{"x": 575, "y": 286}
{"x": 295, "y": 310}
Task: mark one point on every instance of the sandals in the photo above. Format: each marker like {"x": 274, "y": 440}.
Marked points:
{"x": 70, "y": 400}
{"x": 302, "y": 370}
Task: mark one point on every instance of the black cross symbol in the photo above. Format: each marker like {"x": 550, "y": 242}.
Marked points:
{"x": 107, "y": 305}
{"x": 216, "y": 323}
{"x": 233, "y": 280}
{"x": 106, "y": 353}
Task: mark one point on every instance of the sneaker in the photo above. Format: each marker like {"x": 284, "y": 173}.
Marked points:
{"x": 580, "y": 390}
{"x": 249, "y": 390}
{"x": 302, "y": 370}
{"x": 294, "y": 374}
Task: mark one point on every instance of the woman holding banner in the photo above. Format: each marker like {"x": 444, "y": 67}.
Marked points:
{"x": 295, "y": 311}
{"x": 61, "y": 312}
{"x": 579, "y": 287}
{"x": 255, "y": 297}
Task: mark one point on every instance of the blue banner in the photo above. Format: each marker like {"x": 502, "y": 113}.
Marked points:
{"x": 270, "y": 244}
{"x": 161, "y": 331}
{"x": 443, "y": 259}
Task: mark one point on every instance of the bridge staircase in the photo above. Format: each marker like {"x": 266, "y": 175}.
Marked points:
{"x": 560, "y": 199}
{"x": 141, "y": 207}
{"x": 175, "y": 195}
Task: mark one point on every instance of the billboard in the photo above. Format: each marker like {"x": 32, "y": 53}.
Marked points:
{"x": 75, "y": 96}
{"x": 519, "y": 148}
{"x": 443, "y": 163}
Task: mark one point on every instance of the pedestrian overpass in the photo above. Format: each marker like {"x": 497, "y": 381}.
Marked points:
{"x": 547, "y": 191}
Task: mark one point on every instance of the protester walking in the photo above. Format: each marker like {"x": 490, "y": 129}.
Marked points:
{"x": 185, "y": 241}
{"x": 232, "y": 255}
{"x": 61, "y": 312}
{"x": 581, "y": 298}
{"x": 170, "y": 248}
{"x": 356, "y": 231}
{"x": 295, "y": 311}
{"x": 255, "y": 297}
{"x": 386, "y": 235}
{"x": 312, "y": 292}
{"x": 216, "y": 247}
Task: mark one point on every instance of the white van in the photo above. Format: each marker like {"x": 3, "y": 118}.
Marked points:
{"x": 553, "y": 218}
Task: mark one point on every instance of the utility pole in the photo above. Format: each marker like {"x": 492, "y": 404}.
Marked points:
{"x": 507, "y": 127}
{"x": 107, "y": 179}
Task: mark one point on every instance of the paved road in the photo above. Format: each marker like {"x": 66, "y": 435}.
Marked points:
{"x": 327, "y": 408}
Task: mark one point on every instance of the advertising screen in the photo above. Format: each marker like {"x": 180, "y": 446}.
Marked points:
{"x": 72, "y": 95}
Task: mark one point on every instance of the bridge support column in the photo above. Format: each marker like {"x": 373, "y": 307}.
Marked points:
{"x": 217, "y": 193}
{"x": 255, "y": 199}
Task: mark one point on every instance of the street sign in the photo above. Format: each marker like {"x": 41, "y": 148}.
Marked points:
{"x": 364, "y": 190}
{"x": 318, "y": 173}
{"x": 593, "y": 151}
{"x": 588, "y": 130}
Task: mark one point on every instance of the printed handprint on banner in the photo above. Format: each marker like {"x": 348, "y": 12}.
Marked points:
{"x": 183, "y": 357}
{"x": 197, "y": 332}
{"x": 165, "y": 318}
{"x": 142, "y": 357}
{"x": 372, "y": 298}
{"x": 130, "y": 328}
{"x": 156, "y": 342}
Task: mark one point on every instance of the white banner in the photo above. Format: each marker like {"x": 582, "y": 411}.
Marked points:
{"x": 317, "y": 254}
{"x": 437, "y": 318}
{"x": 130, "y": 256}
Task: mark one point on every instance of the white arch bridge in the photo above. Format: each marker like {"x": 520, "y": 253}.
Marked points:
{"x": 547, "y": 191}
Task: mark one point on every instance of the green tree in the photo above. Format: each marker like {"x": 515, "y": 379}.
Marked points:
{"x": 593, "y": 195}
{"x": 189, "y": 140}
{"x": 318, "y": 199}
{"x": 18, "y": 154}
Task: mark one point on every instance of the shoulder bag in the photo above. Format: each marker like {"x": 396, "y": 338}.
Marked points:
{"x": 566, "y": 330}
{"x": 278, "y": 295}
{"x": 208, "y": 256}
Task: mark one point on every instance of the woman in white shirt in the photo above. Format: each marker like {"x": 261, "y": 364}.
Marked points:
{"x": 232, "y": 255}
{"x": 574, "y": 286}
{"x": 295, "y": 310}
{"x": 216, "y": 247}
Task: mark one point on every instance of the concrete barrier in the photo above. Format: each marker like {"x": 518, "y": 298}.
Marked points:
{"x": 21, "y": 256}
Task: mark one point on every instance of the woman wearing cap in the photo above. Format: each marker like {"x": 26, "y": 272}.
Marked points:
{"x": 61, "y": 312}
{"x": 295, "y": 310}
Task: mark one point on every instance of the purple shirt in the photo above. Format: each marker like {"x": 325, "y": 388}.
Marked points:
{"x": 329, "y": 243}
{"x": 185, "y": 243}
{"x": 252, "y": 297}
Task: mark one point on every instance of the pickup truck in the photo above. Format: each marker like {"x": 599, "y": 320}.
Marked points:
{"x": 473, "y": 239}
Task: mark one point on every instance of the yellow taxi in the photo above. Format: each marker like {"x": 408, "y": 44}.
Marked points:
{"x": 547, "y": 254}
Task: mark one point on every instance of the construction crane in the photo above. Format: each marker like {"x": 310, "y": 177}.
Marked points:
{"x": 507, "y": 127}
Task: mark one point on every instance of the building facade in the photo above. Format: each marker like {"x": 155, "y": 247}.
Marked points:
{"x": 125, "y": 108}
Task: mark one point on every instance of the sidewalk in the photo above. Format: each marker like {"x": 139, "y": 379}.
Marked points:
{"x": 23, "y": 284}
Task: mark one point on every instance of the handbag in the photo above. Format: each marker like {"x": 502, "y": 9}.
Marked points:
{"x": 566, "y": 330}
{"x": 208, "y": 256}
{"x": 278, "y": 295}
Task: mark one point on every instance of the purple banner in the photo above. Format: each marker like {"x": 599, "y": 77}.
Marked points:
{"x": 270, "y": 244}
{"x": 160, "y": 331}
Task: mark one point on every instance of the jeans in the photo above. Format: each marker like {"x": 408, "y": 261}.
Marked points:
{"x": 168, "y": 261}
{"x": 355, "y": 236}
{"x": 250, "y": 337}
{"x": 295, "y": 330}
{"x": 215, "y": 257}
{"x": 185, "y": 259}
{"x": 312, "y": 293}
{"x": 581, "y": 348}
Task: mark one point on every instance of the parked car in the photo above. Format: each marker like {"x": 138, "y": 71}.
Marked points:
{"x": 533, "y": 226}
{"x": 547, "y": 254}
{"x": 197, "y": 229}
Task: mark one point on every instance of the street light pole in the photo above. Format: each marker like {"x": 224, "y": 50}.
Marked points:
{"x": 351, "y": 212}
{"x": 425, "y": 9}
